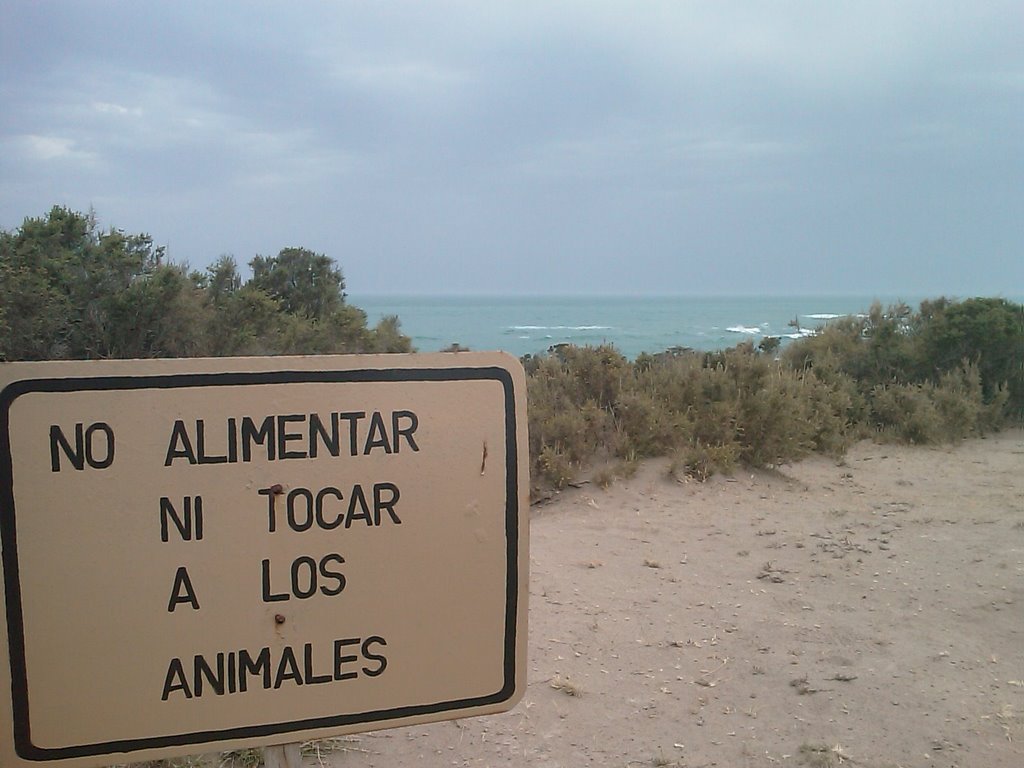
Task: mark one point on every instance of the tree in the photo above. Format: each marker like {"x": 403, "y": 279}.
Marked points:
{"x": 69, "y": 290}
{"x": 987, "y": 332}
{"x": 305, "y": 283}
{"x": 34, "y": 290}
{"x": 222, "y": 280}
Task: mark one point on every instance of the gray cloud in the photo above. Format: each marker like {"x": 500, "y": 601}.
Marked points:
{"x": 537, "y": 147}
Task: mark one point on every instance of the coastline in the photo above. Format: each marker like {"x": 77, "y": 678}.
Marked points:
{"x": 633, "y": 324}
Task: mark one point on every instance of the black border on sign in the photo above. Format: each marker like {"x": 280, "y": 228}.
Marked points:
{"x": 9, "y": 537}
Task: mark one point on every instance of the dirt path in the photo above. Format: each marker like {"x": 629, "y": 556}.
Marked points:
{"x": 869, "y": 612}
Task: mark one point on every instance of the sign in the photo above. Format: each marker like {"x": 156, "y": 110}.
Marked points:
{"x": 200, "y": 555}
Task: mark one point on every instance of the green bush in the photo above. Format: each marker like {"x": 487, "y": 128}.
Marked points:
{"x": 988, "y": 333}
{"x": 69, "y": 290}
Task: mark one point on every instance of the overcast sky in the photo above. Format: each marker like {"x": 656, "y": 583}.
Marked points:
{"x": 549, "y": 147}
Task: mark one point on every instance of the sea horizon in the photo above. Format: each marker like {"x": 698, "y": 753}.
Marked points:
{"x": 532, "y": 324}
{"x": 915, "y": 296}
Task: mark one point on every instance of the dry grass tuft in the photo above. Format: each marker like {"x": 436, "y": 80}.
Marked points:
{"x": 563, "y": 684}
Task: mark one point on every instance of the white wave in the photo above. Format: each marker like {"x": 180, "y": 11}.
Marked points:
{"x": 801, "y": 334}
{"x": 743, "y": 329}
{"x": 822, "y": 316}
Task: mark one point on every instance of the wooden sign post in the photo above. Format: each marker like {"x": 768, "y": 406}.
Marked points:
{"x": 283, "y": 756}
{"x": 204, "y": 555}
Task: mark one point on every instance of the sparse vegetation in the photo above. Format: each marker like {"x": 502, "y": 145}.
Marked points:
{"x": 938, "y": 375}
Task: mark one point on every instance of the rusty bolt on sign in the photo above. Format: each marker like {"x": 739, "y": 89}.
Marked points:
{"x": 278, "y": 618}
{"x": 277, "y": 489}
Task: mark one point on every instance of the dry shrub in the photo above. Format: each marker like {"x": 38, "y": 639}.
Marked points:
{"x": 884, "y": 373}
{"x": 604, "y": 478}
{"x": 710, "y": 410}
{"x": 962, "y": 405}
{"x": 905, "y": 413}
{"x": 578, "y": 432}
{"x": 699, "y": 462}
{"x": 949, "y": 411}
{"x": 837, "y": 410}
{"x": 594, "y": 374}
{"x": 774, "y": 421}
{"x": 624, "y": 469}
{"x": 646, "y": 425}
{"x": 567, "y": 422}
{"x": 554, "y": 467}
{"x": 958, "y": 403}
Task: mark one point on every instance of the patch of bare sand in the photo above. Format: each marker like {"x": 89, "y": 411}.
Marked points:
{"x": 869, "y": 612}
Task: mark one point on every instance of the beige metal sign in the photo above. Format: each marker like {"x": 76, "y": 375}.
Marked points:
{"x": 200, "y": 555}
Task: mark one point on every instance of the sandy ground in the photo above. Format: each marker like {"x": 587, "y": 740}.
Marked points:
{"x": 868, "y": 612}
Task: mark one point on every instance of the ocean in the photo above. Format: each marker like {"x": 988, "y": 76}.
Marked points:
{"x": 530, "y": 325}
